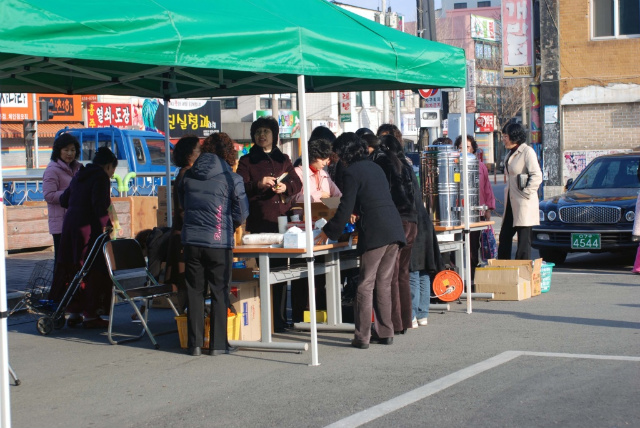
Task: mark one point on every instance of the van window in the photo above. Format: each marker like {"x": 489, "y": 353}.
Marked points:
{"x": 88, "y": 141}
{"x": 108, "y": 139}
{"x": 156, "y": 151}
{"x": 139, "y": 151}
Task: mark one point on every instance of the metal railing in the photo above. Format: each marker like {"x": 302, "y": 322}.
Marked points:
{"x": 27, "y": 187}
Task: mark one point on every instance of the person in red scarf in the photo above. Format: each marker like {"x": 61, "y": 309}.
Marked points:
{"x": 321, "y": 184}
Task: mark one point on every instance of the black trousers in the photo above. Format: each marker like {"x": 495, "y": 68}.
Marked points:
{"x": 207, "y": 267}
{"x": 523, "y": 251}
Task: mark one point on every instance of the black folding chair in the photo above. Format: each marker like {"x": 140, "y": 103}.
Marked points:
{"x": 133, "y": 283}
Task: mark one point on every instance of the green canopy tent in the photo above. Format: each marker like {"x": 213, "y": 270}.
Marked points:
{"x": 175, "y": 49}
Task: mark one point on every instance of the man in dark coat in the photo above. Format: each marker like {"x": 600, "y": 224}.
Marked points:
{"x": 215, "y": 204}
{"x": 269, "y": 198}
{"x": 380, "y": 233}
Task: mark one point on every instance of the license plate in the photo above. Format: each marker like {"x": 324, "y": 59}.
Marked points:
{"x": 585, "y": 241}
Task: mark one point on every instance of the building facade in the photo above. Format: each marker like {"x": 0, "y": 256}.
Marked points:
{"x": 598, "y": 46}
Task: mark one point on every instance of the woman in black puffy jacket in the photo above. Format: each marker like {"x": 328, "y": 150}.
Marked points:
{"x": 215, "y": 204}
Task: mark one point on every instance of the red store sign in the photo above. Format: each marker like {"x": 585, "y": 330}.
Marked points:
{"x": 484, "y": 123}
{"x": 108, "y": 114}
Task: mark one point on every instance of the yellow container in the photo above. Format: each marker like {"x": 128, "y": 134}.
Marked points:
{"x": 233, "y": 329}
{"x": 321, "y": 316}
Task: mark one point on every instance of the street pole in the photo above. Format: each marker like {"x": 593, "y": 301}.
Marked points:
{"x": 385, "y": 94}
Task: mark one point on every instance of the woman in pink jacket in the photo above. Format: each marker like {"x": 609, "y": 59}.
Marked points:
{"x": 56, "y": 178}
{"x": 486, "y": 198}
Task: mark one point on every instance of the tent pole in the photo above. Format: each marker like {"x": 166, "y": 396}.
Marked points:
{"x": 5, "y": 402}
{"x": 302, "y": 103}
{"x": 167, "y": 157}
{"x": 465, "y": 196}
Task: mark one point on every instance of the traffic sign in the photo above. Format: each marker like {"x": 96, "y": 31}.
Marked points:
{"x": 522, "y": 71}
{"x": 426, "y": 93}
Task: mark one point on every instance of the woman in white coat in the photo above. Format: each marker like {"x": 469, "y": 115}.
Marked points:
{"x": 521, "y": 210}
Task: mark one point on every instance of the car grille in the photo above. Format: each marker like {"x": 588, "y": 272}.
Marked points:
{"x": 590, "y": 214}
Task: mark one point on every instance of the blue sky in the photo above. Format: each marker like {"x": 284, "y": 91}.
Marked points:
{"x": 403, "y": 7}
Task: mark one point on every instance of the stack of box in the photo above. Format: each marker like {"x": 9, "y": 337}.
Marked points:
{"x": 245, "y": 298}
{"x": 161, "y": 214}
{"x": 509, "y": 279}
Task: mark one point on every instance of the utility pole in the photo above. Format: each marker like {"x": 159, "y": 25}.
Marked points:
{"x": 385, "y": 94}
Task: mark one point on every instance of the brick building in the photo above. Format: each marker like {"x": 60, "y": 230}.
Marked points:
{"x": 598, "y": 79}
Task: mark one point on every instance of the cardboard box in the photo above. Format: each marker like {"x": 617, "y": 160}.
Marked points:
{"x": 245, "y": 298}
{"x": 531, "y": 271}
{"x": 321, "y": 316}
{"x": 162, "y": 197}
{"x": 233, "y": 329}
{"x": 506, "y": 283}
{"x": 325, "y": 209}
{"x": 244, "y": 274}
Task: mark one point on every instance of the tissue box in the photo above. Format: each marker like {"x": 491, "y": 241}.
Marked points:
{"x": 297, "y": 240}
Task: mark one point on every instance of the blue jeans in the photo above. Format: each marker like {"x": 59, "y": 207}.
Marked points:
{"x": 420, "y": 284}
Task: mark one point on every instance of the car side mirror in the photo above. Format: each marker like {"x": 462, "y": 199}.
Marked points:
{"x": 569, "y": 183}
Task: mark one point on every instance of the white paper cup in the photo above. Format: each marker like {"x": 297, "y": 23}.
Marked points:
{"x": 282, "y": 223}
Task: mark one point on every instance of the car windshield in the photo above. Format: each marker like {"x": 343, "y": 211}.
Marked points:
{"x": 610, "y": 173}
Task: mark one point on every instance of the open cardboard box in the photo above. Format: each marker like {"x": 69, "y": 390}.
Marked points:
{"x": 325, "y": 209}
{"x": 505, "y": 282}
{"x": 531, "y": 271}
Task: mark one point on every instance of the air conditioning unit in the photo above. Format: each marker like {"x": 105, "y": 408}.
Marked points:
{"x": 391, "y": 20}
{"x": 377, "y": 17}
{"x": 428, "y": 117}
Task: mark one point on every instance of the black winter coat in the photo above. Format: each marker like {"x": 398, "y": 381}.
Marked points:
{"x": 265, "y": 206}
{"x": 425, "y": 253}
{"x": 365, "y": 194}
{"x": 214, "y": 202}
{"x": 399, "y": 185}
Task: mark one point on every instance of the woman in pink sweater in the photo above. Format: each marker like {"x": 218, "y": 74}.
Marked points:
{"x": 56, "y": 178}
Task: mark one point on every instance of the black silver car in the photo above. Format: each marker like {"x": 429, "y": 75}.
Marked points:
{"x": 595, "y": 214}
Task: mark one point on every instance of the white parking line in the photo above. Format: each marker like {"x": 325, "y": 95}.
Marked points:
{"x": 422, "y": 392}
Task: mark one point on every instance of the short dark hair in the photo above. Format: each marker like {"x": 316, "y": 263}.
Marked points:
{"x": 442, "y": 141}
{"x": 104, "y": 156}
{"x": 183, "y": 149}
{"x": 265, "y": 122}
{"x": 364, "y": 131}
{"x": 470, "y": 138}
{"x": 516, "y": 132}
{"x": 372, "y": 141}
{"x": 391, "y": 129}
{"x": 350, "y": 148}
{"x": 222, "y": 145}
{"x": 322, "y": 133}
{"x": 319, "y": 149}
{"x": 63, "y": 141}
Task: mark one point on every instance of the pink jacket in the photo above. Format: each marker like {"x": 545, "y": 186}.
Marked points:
{"x": 55, "y": 180}
{"x": 326, "y": 186}
{"x": 486, "y": 192}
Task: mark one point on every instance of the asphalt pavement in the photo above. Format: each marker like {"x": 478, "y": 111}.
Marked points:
{"x": 567, "y": 358}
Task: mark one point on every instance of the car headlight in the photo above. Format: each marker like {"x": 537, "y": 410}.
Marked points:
{"x": 630, "y": 215}
{"x": 551, "y": 215}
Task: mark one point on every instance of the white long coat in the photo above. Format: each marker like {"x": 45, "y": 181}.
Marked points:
{"x": 524, "y": 203}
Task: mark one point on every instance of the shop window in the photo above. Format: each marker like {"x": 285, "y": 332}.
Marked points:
{"x": 265, "y": 103}
{"x": 615, "y": 18}
{"x": 229, "y": 103}
{"x": 284, "y": 104}
{"x": 359, "y": 99}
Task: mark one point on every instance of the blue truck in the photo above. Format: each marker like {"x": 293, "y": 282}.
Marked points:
{"x": 139, "y": 152}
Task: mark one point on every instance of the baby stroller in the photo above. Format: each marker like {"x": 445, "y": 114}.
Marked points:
{"x": 52, "y": 313}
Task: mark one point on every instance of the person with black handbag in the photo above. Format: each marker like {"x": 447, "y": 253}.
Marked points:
{"x": 521, "y": 210}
